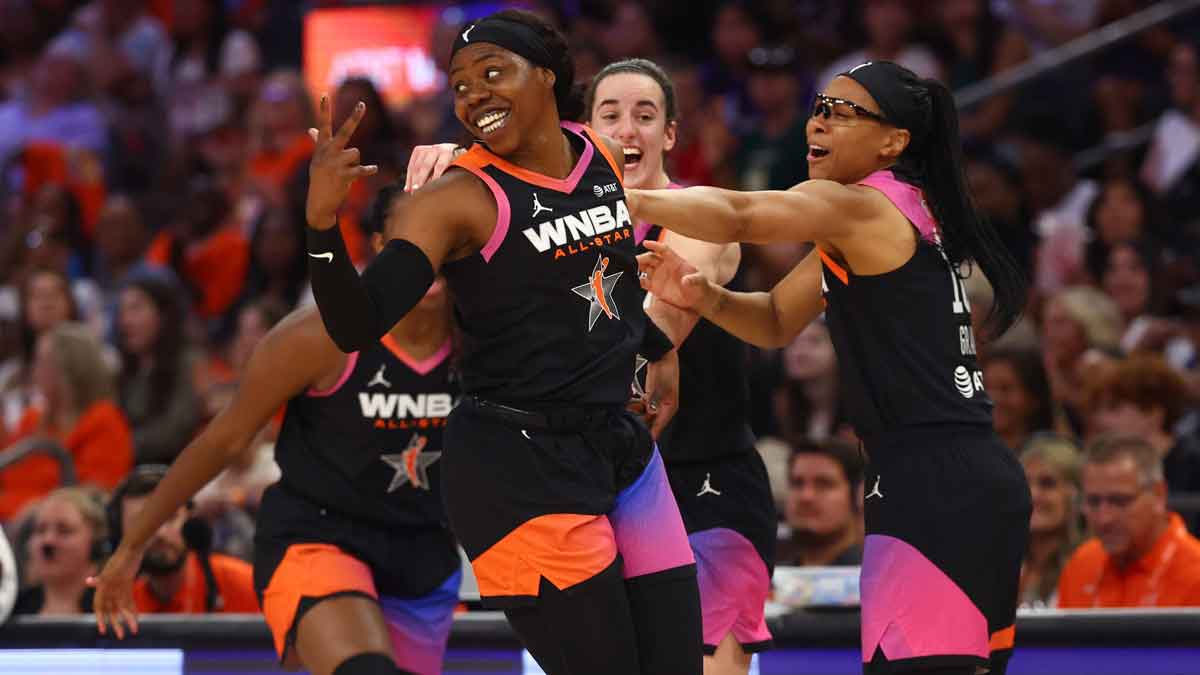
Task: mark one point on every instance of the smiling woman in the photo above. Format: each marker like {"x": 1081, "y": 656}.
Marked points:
{"x": 555, "y": 491}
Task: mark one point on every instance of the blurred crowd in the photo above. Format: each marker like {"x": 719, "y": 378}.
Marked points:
{"x": 153, "y": 162}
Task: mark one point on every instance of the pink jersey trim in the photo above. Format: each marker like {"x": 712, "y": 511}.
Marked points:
{"x": 422, "y": 367}
{"x": 350, "y": 364}
{"x": 907, "y": 198}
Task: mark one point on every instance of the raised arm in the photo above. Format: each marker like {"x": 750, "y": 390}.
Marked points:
{"x": 769, "y": 319}
{"x": 811, "y": 211}
{"x": 422, "y": 229}
{"x": 291, "y": 357}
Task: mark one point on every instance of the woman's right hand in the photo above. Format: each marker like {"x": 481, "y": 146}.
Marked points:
{"x": 670, "y": 278}
{"x": 429, "y": 162}
{"x": 114, "y": 593}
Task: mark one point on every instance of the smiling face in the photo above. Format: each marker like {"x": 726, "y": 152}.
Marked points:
{"x": 847, "y": 146}
{"x": 499, "y": 96}
{"x": 632, "y": 109}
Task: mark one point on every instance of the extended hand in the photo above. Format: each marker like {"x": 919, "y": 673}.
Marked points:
{"x": 672, "y": 279}
{"x": 429, "y": 162}
{"x": 334, "y": 167}
{"x": 114, "y": 594}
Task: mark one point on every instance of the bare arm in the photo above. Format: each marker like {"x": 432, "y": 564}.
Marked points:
{"x": 811, "y": 211}
{"x": 291, "y": 357}
{"x": 768, "y": 319}
{"x": 717, "y": 262}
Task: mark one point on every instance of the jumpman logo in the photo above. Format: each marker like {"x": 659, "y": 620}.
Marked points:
{"x": 379, "y": 379}
{"x": 537, "y": 206}
{"x": 874, "y": 491}
{"x": 467, "y": 32}
{"x": 707, "y": 488}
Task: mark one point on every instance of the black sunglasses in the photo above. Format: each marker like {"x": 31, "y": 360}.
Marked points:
{"x": 827, "y": 106}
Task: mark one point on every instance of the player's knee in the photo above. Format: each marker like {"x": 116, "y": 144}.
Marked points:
{"x": 369, "y": 664}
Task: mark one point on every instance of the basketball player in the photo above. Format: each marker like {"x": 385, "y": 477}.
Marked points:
{"x": 556, "y": 492}
{"x": 356, "y": 571}
{"x": 895, "y": 230}
{"x": 717, "y": 477}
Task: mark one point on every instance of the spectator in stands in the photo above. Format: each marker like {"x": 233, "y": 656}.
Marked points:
{"x": 1130, "y": 273}
{"x": 279, "y": 144}
{"x": 1123, "y": 210}
{"x": 806, "y": 403}
{"x": 205, "y": 248}
{"x": 157, "y": 370}
{"x": 121, "y": 240}
{"x": 57, "y": 108}
{"x": 44, "y": 301}
{"x": 1143, "y": 396}
{"x": 996, "y": 187}
{"x": 973, "y": 45}
{"x": 182, "y": 575}
{"x": 631, "y": 32}
{"x": 1141, "y": 555}
{"x": 773, "y": 154}
{"x": 278, "y": 269}
{"x": 1052, "y": 467}
{"x": 887, "y": 25}
{"x": 51, "y": 236}
{"x": 70, "y": 540}
{"x": 75, "y": 389}
{"x": 118, "y": 40}
{"x": 206, "y": 64}
{"x": 1075, "y": 320}
{"x": 824, "y": 506}
{"x": 1016, "y": 381}
{"x": 1172, "y": 166}
{"x": 738, "y": 27}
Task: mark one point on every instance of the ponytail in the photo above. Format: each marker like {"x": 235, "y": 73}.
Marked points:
{"x": 965, "y": 234}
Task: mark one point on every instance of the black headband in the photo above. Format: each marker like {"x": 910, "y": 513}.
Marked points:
{"x": 889, "y": 84}
{"x": 514, "y": 36}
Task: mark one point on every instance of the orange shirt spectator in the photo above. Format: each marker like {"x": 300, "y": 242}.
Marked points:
{"x": 100, "y": 443}
{"x": 74, "y": 382}
{"x": 1142, "y": 554}
{"x": 214, "y": 265}
{"x": 1168, "y": 575}
{"x": 235, "y": 581}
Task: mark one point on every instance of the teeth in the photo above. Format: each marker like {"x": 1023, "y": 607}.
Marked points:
{"x": 491, "y": 121}
{"x": 632, "y": 154}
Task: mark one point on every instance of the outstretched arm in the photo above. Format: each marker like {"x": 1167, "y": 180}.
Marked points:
{"x": 811, "y": 211}
{"x": 286, "y": 362}
{"x": 356, "y": 310}
{"x": 769, "y": 319}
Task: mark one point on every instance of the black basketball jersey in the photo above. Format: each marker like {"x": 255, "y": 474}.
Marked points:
{"x": 550, "y": 309}
{"x": 905, "y": 348}
{"x": 369, "y": 447}
{"x": 713, "y": 416}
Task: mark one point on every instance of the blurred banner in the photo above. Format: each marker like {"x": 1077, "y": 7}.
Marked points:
{"x": 388, "y": 45}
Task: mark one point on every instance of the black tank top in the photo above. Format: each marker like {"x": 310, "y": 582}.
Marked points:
{"x": 713, "y": 416}
{"x": 369, "y": 447}
{"x": 905, "y": 348}
{"x": 550, "y": 309}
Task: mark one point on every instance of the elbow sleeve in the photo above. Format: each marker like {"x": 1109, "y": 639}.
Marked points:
{"x": 356, "y": 310}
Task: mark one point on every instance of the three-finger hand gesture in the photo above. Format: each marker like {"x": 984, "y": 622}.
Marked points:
{"x": 334, "y": 167}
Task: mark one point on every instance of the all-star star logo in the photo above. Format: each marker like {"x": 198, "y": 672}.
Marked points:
{"x": 412, "y": 465}
{"x": 598, "y": 292}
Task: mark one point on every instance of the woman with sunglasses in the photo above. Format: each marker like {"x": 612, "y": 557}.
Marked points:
{"x": 894, "y": 229}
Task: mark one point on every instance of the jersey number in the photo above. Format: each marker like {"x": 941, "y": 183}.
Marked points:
{"x": 960, "y": 305}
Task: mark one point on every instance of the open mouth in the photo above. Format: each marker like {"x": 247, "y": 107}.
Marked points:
{"x": 633, "y": 156}
{"x": 817, "y": 152}
{"x": 491, "y": 122}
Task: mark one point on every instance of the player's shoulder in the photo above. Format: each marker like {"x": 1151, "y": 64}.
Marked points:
{"x": 301, "y": 334}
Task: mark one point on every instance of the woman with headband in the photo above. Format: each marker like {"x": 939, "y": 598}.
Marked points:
{"x": 947, "y": 507}
{"x": 556, "y": 492}
{"x": 716, "y": 475}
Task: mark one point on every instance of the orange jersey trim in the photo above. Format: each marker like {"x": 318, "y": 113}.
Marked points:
{"x": 838, "y": 270}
